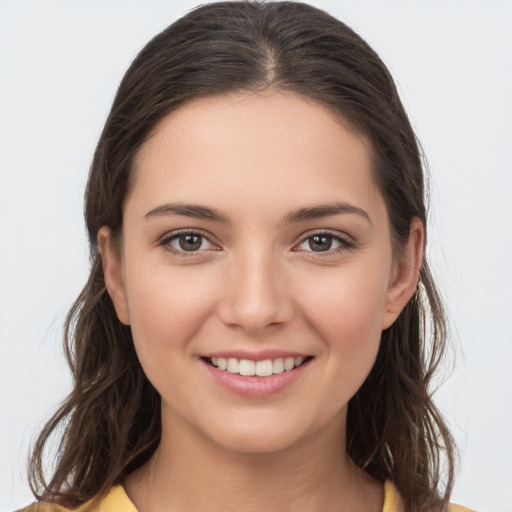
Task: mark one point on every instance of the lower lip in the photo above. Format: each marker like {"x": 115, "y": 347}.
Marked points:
{"x": 253, "y": 386}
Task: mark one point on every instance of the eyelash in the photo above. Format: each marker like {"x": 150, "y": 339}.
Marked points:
{"x": 166, "y": 241}
{"x": 345, "y": 243}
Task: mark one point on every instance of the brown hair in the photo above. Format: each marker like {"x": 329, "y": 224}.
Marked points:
{"x": 111, "y": 419}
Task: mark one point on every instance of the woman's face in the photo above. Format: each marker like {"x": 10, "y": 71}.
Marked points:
{"x": 254, "y": 238}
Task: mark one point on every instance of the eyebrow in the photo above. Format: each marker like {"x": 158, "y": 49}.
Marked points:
{"x": 187, "y": 210}
{"x": 300, "y": 215}
{"x": 325, "y": 210}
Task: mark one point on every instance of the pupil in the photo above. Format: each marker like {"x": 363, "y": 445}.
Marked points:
{"x": 320, "y": 243}
{"x": 190, "y": 242}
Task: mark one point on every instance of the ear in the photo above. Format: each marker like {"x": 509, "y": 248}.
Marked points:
{"x": 406, "y": 274}
{"x": 113, "y": 273}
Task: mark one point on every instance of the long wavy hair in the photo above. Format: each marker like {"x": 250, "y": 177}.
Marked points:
{"x": 109, "y": 425}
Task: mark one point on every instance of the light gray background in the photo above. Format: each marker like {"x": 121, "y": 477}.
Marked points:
{"x": 60, "y": 63}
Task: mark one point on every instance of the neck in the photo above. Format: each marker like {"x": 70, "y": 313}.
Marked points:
{"x": 189, "y": 472}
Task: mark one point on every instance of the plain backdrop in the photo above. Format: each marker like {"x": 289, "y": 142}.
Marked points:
{"x": 60, "y": 64}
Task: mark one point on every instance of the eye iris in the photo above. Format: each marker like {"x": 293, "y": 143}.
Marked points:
{"x": 190, "y": 242}
{"x": 320, "y": 243}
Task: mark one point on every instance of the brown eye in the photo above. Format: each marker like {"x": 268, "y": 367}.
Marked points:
{"x": 320, "y": 243}
{"x": 325, "y": 243}
{"x": 190, "y": 242}
{"x": 187, "y": 242}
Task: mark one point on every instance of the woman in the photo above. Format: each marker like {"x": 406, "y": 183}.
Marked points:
{"x": 252, "y": 332}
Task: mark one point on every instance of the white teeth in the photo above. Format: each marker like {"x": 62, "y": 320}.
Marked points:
{"x": 289, "y": 363}
{"x": 264, "y": 368}
{"x": 278, "y": 365}
{"x": 232, "y": 365}
{"x": 246, "y": 367}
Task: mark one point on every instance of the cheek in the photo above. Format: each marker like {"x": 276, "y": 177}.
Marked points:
{"x": 346, "y": 312}
{"x": 167, "y": 308}
{"x": 349, "y": 302}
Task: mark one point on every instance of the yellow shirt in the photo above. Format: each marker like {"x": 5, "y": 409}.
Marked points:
{"x": 117, "y": 501}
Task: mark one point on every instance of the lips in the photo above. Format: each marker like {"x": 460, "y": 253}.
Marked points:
{"x": 256, "y": 376}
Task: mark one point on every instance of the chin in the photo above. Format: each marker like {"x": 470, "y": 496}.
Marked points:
{"x": 258, "y": 443}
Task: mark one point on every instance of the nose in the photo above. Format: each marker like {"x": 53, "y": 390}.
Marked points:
{"x": 255, "y": 297}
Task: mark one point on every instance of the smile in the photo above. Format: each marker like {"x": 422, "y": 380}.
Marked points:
{"x": 264, "y": 368}
{"x": 256, "y": 375}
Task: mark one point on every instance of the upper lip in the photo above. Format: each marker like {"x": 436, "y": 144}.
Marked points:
{"x": 256, "y": 356}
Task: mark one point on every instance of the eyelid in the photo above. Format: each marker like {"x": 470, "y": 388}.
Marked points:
{"x": 165, "y": 241}
{"x": 346, "y": 241}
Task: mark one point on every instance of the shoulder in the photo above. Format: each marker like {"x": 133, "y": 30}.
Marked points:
{"x": 459, "y": 508}
{"x": 393, "y": 501}
{"x": 116, "y": 500}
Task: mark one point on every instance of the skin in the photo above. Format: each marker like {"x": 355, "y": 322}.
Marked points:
{"x": 255, "y": 283}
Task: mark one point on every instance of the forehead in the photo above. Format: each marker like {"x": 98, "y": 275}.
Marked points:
{"x": 253, "y": 148}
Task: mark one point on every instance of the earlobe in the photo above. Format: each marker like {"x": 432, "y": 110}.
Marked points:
{"x": 113, "y": 274}
{"x": 406, "y": 275}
